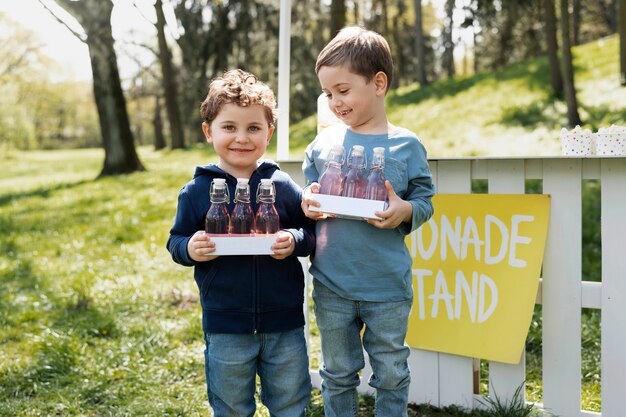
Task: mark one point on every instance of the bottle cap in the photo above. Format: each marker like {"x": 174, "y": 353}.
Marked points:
{"x": 358, "y": 150}
{"x": 219, "y": 183}
{"x": 266, "y": 191}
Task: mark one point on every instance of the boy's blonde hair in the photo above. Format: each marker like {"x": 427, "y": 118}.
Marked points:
{"x": 364, "y": 51}
{"x": 240, "y": 88}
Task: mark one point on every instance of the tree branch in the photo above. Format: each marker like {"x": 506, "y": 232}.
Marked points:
{"x": 80, "y": 36}
{"x": 144, "y": 46}
{"x": 146, "y": 18}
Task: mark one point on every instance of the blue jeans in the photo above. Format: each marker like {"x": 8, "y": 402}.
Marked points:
{"x": 232, "y": 362}
{"x": 340, "y": 322}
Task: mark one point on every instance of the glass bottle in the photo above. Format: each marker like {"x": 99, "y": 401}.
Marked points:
{"x": 242, "y": 217}
{"x": 267, "y": 220}
{"x": 331, "y": 181}
{"x": 375, "y": 188}
{"x": 217, "y": 218}
{"x": 354, "y": 184}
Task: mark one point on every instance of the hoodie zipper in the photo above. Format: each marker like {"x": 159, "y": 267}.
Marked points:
{"x": 256, "y": 294}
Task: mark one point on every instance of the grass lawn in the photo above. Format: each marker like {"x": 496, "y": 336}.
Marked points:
{"x": 95, "y": 318}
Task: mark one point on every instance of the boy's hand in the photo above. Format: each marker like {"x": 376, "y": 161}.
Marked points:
{"x": 200, "y": 247}
{"x": 308, "y": 200}
{"x": 397, "y": 212}
{"x": 284, "y": 245}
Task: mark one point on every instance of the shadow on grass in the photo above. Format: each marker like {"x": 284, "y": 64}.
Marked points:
{"x": 552, "y": 114}
{"x": 602, "y": 116}
{"x": 17, "y": 279}
{"x": 43, "y": 192}
{"x": 539, "y": 113}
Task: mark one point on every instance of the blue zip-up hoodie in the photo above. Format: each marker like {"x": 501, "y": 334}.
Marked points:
{"x": 247, "y": 293}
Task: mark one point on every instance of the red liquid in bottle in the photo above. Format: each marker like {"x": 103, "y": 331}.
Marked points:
{"x": 331, "y": 181}
{"x": 354, "y": 185}
{"x": 267, "y": 219}
{"x": 242, "y": 217}
{"x": 217, "y": 218}
{"x": 375, "y": 188}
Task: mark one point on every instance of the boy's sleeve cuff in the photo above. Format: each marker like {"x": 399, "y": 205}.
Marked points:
{"x": 186, "y": 260}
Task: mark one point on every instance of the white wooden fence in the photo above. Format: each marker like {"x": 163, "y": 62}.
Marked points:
{"x": 443, "y": 379}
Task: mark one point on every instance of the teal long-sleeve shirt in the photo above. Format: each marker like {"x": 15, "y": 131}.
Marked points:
{"x": 353, "y": 258}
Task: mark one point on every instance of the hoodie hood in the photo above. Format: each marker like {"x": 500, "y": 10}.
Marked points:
{"x": 265, "y": 170}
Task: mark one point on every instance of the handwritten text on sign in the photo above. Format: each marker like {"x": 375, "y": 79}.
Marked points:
{"x": 476, "y": 267}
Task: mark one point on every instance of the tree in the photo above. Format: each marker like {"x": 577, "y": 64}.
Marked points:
{"x": 510, "y": 11}
{"x": 576, "y": 10}
{"x": 622, "y": 41}
{"x": 569, "y": 88}
{"x": 18, "y": 49}
{"x": 608, "y": 10}
{"x": 556, "y": 80}
{"x": 157, "y": 123}
{"x": 170, "y": 86}
{"x": 94, "y": 16}
{"x": 448, "y": 43}
{"x": 199, "y": 42}
{"x": 337, "y": 16}
{"x": 419, "y": 44}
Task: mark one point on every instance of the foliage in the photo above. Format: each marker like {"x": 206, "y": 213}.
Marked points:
{"x": 38, "y": 108}
{"x": 487, "y": 113}
{"x": 516, "y": 407}
{"x": 592, "y": 241}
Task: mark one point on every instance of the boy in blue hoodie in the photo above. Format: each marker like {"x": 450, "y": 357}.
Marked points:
{"x": 252, "y": 315}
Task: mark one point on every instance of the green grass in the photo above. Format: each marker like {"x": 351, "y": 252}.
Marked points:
{"x": 95, "y": 318}
{"x": 507, "y": 112}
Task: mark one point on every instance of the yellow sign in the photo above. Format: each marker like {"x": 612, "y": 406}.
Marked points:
{"x": 476, "y": 268}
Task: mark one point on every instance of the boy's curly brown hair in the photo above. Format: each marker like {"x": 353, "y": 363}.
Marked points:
{"x": 240, "y": 88}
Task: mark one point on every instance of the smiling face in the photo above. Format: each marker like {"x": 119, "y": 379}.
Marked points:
{"x": 354, "y": 99}
{"x": 239, "y": 136}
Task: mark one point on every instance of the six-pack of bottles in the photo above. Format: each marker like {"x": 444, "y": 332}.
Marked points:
{"x": 357, "y": 194}
{"x": 242, "y": 232}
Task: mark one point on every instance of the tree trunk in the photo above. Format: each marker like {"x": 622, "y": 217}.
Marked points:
{"x": 197, "y": 44}
{"x": 120, "y": 155}
{"x": 419, "y": 44}
{"x": 506, "y": 33}
{"x": 576, "y": 21}
{"x": 569, "y": 88}
{"x": 608, "y": 10}
{"x": 556, "y": 80}
{"x": 337, "y": 16}
{"x": 448, "y": 43}
{"x": 170, "y": 86}
{"x": 398, "y": 29}
{"x": 224, "y": 39}
{"x": 622, "y": 40}
{"x": 157, "y": 123}
{"x": 385, "y": 17}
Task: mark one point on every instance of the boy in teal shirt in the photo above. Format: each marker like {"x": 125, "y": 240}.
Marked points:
{"x": 362, "y": 270}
